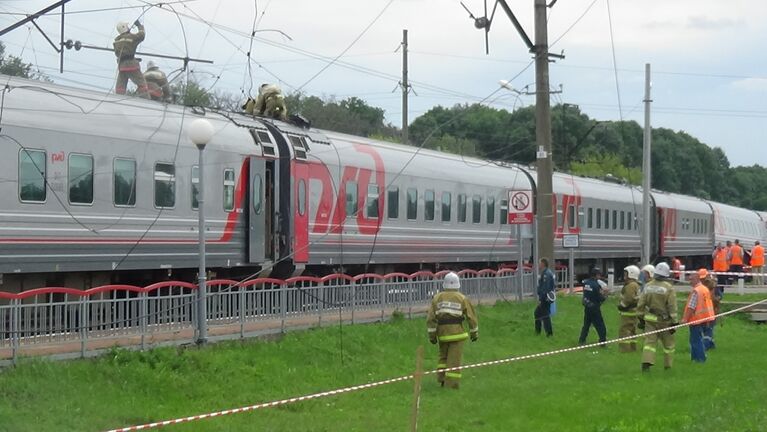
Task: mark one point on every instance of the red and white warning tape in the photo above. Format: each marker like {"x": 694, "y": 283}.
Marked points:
{"x": 408, "y": 377}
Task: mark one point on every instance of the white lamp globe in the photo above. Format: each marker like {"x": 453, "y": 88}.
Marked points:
{"x": 200, "y": 132}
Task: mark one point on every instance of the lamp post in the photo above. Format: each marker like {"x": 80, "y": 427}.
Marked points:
{"x": 200, "y": 132}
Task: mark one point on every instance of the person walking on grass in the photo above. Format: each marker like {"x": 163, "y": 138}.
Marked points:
{"x": 628, "y": 309}
{"x": 657, "y": 309}
{"x": 449, "y": 309}
{"x": 546, "y": 296}
{"x": 594, "y": 294}
{"x": 699, "y": 312}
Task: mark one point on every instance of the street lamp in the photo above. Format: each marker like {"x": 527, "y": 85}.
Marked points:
{"x": 200, "y": 132}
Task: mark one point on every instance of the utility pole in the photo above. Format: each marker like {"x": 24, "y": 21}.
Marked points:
{"x": 405, "y": 89}
{"x": 544, "y": 227}
{"x": 646, "y": 171}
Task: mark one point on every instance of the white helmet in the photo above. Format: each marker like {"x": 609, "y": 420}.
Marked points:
{"x": 650, "y": 269}
{"x": 122, "y": 27}
{"x": 150, "y": 65}
{"x": 632, "y": 272}
{"x": 662, "y": 270}
{"x": 451, "y": 282}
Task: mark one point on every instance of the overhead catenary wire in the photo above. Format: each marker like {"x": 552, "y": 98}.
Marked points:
{"x": 348, "y": 47}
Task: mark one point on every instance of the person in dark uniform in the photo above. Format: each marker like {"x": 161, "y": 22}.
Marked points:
{"x": 594, "y": 294}
{"x": 546, "y": 296}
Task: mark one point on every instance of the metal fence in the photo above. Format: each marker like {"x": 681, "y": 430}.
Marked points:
{"x": 81, "y": 321}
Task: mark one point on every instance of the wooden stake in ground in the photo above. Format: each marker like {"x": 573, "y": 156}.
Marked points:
{"x": 417, "y": 376}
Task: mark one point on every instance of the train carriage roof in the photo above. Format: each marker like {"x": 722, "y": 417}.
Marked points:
{"x": 680, "y": 202}
{"x": 87, "y": 112}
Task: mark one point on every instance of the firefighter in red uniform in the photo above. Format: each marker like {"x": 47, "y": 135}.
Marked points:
{"x": 447, "y": 313}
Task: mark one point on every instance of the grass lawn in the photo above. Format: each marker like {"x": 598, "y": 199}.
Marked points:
{"x": 594, "y": 390}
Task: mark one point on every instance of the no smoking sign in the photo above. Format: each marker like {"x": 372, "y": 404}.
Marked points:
{"x": 520, "y": 207}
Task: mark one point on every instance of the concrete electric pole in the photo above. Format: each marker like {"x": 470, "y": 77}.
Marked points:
{"x": 544, "y": 208}
{"x": 646, "y": 172}
{"x": 540, "y": 49}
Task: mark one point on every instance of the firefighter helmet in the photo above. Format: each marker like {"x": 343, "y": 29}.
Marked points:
{"x": 123, "y": 27}
{"x": 451, "y": 282}
{"x": 151, "y": 65}
{"x": 650, "y": 269}
{"x": 632, "y": 272}
{"x": 662, "y": 270}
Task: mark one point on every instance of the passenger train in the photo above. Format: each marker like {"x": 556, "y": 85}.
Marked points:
{"x": 102, "y": 189}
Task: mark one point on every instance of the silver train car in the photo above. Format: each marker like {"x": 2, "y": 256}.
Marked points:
{"x": 103, "y": 189}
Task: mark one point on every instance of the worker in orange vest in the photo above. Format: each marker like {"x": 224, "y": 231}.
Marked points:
{"x": 757, "y": 263}
{"x": 698, "y": 312}
{"x": 736, "y": 258}
{"x": 721, "y": 265}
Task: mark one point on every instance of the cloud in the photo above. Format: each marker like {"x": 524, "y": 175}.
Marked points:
{"x": 700, "y": 22}
{"x": 751, "y": 84}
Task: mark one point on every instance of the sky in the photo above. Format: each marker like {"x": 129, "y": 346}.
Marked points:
{"x": 708, "y": 80}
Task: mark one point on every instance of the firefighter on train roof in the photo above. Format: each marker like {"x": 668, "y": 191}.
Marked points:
{"x": 270, "y": 102}
{"x": 157, "y": 83}
{"x": 128, "y": 66}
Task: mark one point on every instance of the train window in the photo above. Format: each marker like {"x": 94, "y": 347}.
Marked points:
{"x": 258, "y": 194}
{"x": 165, "y": 185}
{"x": 412, "y": 203}
{"x": 590, "y": 217}
{"x": 393, "y": 202}
{"x": 228, "y": 189}
{"x": 372, "y": 201}
{"x": 299, "y": 147}
{"x": 32, "y": 175}
{"x": 623, "y": 220}
{"x": 615, "y": 219}
{"x": 124, "y": 182}
{"x": 607, "y": 219}
{"x": 571, "y": 221}
{"x": 490, "y": 210}
{"x": 195, "y": 187}
{"x": 559, "y": 216}
{"x": 599, "y": 218}
{"x": 447, "y": 205}
{"x": 351, "y": 199}
{"x": 302, "y": 198}
{"x": 267, "y": 146}
{"x": 428, "y": 205}
{"x": 80, "y": 179}
{"x": 476, "y": 209}
{"x": 504, "y": 216}
{"x": 461, "y": 207}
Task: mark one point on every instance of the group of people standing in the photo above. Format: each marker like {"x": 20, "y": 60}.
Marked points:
{"x": 647, "y": 303}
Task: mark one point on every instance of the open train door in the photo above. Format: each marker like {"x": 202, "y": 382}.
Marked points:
{"x": 259, "y": 233}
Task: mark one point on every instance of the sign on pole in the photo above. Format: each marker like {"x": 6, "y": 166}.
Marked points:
{"x": 520, "y": 207}
{"x": 571, "y": 241}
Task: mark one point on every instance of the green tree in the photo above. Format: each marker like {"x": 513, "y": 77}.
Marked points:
{"x": 607, "y": 166}
{"x": 15, "y": 66}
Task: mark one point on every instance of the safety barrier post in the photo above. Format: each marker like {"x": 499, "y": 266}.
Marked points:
{"x": 741, "y": 285}
{"x": 283, "y": 306}
{"x": 410, "y": 298}
{"x": 520, "y": 285}
{"x": 354, "y": 298}
{"x": 242, "y": 309}
{"x": 144, "y": 318}
{"x": 611, "y": 279}
{"x": 417, "y": 378}
{"x": 382, "y": 295}
{"x": 681, "y": 273}
{"x": 83, "y": 325}
{"x": 320, "y": 303}
{"x": 15, "y": 327}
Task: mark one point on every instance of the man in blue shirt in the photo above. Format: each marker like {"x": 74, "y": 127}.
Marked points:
{"x": 593, "y": 297}
{"x": 546, "y": 296}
